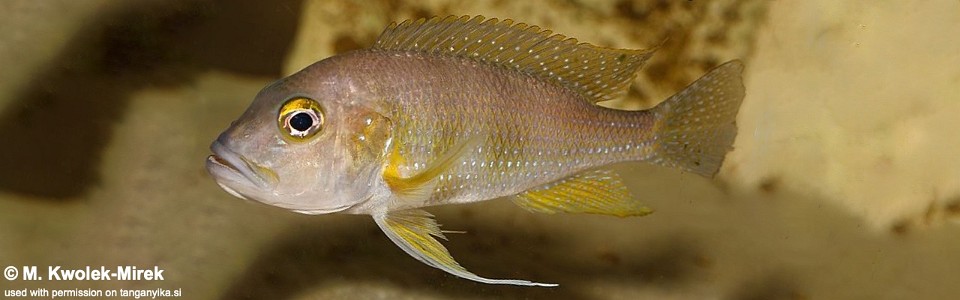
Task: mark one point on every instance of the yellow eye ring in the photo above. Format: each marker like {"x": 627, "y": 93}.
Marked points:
{"x": 300, "y": 118}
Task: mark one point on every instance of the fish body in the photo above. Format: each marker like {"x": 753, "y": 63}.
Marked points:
{"x": 459, "y": 110}
{"x": 527, "y": 132}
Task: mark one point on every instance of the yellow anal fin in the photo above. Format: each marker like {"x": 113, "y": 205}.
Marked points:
{"x": 420, "y": 186}
{"x": 592, "y": 192}
{"x": 414, "y": 231}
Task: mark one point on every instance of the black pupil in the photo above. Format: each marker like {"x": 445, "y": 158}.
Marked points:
{"x": 301, "y": 121}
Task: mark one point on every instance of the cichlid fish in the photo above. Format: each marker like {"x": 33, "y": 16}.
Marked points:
{"x": 458, "y": 110}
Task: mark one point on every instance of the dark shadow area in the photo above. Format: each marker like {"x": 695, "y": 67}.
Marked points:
{"x": 772, "y": 287}
{"x": 54, "y": 133}
{"x": 306, "y": 259}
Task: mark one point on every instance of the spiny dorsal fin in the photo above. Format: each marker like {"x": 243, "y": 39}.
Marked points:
{"x": 592, "y": 192}
{"x": 414, "y": 231}
{"x": 596, "y": 73}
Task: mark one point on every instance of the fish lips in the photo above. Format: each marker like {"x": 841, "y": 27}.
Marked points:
{"x": 232, "y": 171}
{"x": 237, "y": 175}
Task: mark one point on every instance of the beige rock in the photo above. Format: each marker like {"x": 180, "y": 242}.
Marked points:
{"x": 857, "y": 103}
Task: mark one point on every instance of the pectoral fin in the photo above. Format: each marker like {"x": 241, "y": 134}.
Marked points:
{"x": 592, "y": 192}
{"x": 414, "y": 231}
{"x": 419, "y": 186}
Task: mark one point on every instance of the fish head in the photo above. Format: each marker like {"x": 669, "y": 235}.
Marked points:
{"x": 307, "y": 143}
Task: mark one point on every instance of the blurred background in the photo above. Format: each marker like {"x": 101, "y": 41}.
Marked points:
{"x": 844, "y": 182}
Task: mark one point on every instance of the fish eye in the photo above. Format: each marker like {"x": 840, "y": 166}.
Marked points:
{"x": 300, "y": 118}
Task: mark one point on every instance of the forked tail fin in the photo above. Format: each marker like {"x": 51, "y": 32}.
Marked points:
{"x": 696, "y": 127}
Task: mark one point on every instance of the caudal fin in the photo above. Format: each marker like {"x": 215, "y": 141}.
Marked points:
{"x": 696, "y": 127}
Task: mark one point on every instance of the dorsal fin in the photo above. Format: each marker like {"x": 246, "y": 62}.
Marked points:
{"x": 596, "y": 73}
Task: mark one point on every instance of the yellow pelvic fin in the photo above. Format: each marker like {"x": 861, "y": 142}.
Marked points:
{"x": 420, "y": 186}
{"x": 592, "y": 192}
{"x": 414, "y": 231}
{"x": 596, "y": 73}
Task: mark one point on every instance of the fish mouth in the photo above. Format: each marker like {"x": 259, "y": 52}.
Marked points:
{"x": 227, "y": 166}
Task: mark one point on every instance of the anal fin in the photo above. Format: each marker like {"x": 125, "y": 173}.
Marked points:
{"x": 592, "y": 192}
{"x": 415, "y": 230}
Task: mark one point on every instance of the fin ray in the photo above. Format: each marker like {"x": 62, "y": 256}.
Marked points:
{"x": 596, "y": 73}
{"x": 420, "y": 186}
{"x": 697, "y": 126}
{"x": 414, "y": 231}
{"x": 594, "y": 192}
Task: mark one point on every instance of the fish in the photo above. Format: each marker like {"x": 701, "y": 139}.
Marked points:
{"x": 461, "y": 109}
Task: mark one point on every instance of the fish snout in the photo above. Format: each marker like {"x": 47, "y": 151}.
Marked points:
{"x": 227, "y": 164}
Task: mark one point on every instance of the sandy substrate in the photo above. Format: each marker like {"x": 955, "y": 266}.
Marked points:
{"x": 845, "y": 134}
